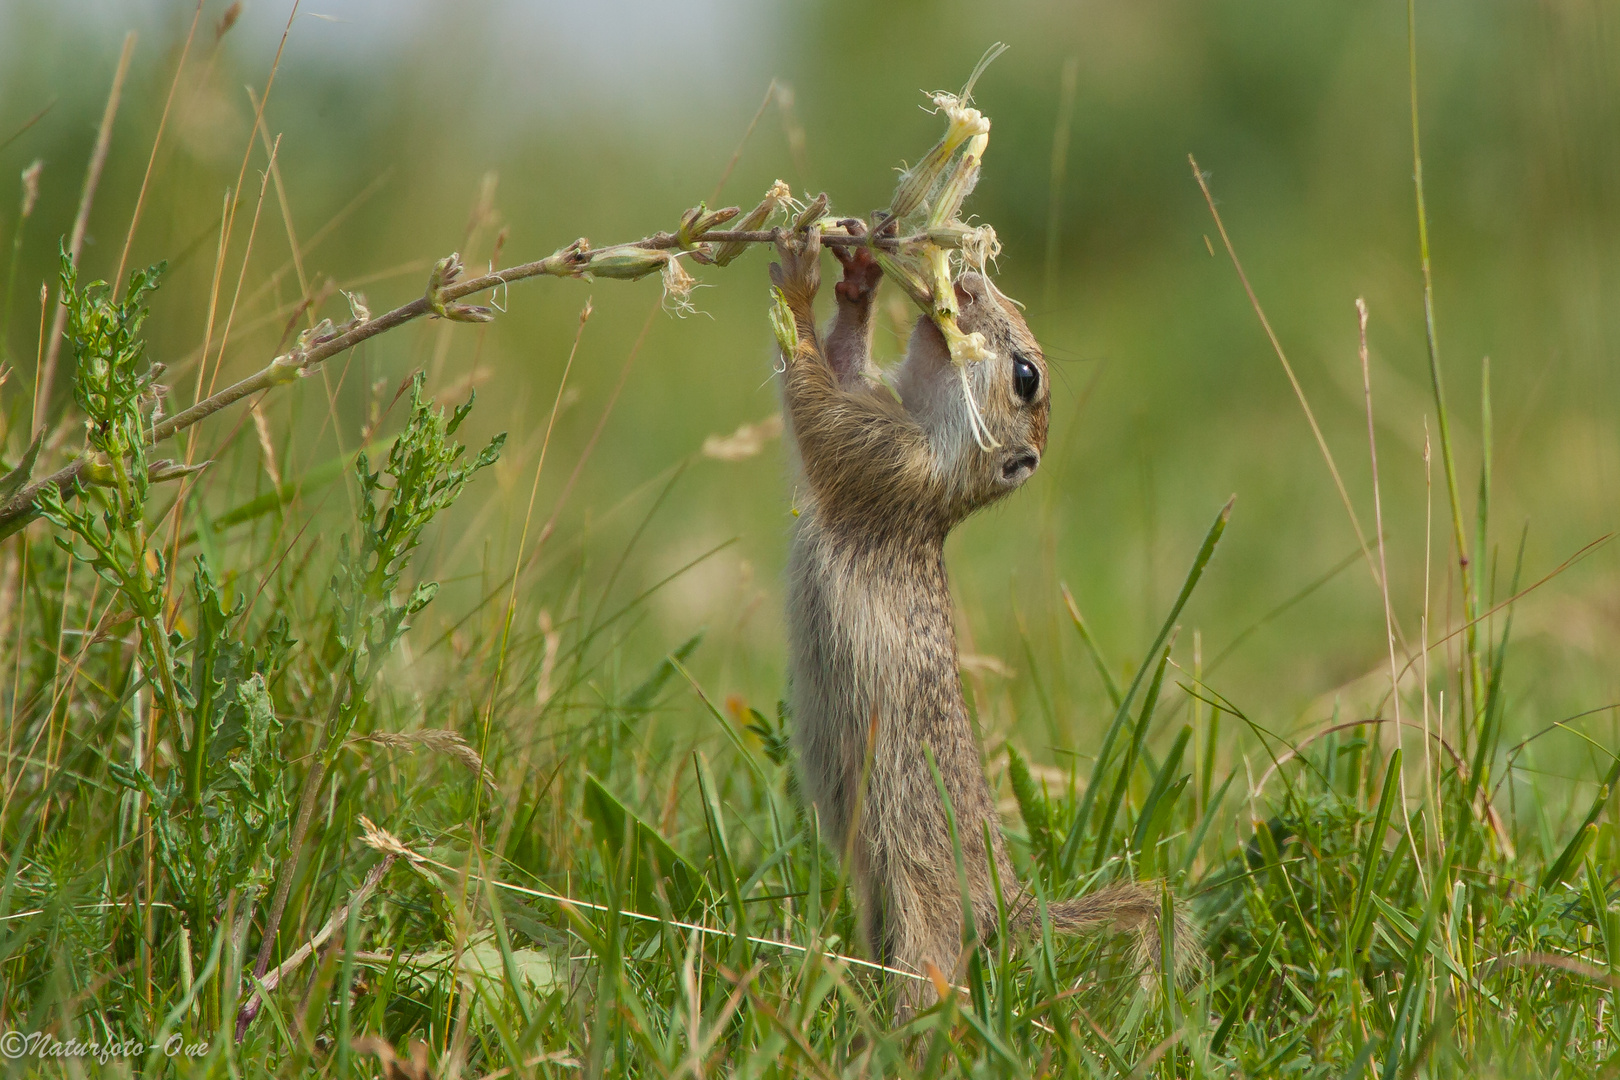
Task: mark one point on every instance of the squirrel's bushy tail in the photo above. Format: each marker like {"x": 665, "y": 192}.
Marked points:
{"x": 1133, "y": 907}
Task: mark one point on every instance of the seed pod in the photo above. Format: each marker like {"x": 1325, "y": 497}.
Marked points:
{"x": 625, "y": 263}
{"x": 783, "y": 324}
{"x": 811, "y": 214}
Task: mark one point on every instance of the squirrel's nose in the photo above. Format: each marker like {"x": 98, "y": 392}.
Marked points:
{"x": 1019, "y": 467}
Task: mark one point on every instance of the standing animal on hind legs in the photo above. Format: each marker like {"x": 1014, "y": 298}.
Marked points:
{"x": 873, "y": 660}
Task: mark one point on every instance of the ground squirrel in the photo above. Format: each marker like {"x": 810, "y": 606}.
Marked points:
{"x": 874, "y": 676}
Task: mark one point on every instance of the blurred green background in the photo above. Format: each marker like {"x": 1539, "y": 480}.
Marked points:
{"x": 409, "y": 130}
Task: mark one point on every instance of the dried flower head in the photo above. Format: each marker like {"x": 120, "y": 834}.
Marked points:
{"x": 678, "y": 286}
{"x": 980, "y": 247}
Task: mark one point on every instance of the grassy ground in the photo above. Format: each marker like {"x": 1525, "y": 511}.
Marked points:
{"x": 543, "y": 821}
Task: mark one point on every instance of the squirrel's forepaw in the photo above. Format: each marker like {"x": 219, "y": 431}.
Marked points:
{"x": 861, "y": 275}
{"x": 861, "y": 270}
{"x": 798, "y": 275}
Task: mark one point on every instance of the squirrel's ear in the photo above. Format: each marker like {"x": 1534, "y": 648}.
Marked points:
{"x": 970, "y": 289}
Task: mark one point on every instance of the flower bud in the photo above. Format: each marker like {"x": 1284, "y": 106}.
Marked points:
{"x": 960, "y": 185}
{"x": 755, "y": 219}
{"x": 467, "y": 313}
{"x": 915, "y": 184}
{"x": 167, "y": 469}
{"x": 444, "y": 272}
{"x": 699, "y": 220}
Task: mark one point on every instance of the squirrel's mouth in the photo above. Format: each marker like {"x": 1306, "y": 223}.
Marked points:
{"x": 1019, "y": 467}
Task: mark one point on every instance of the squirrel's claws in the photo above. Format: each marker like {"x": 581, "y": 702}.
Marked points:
{"x": 861, "y": 274}
{"x": 798, "y": 275}
{"x": 861, "y": 270}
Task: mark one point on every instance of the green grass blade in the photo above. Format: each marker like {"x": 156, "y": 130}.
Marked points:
{"x": 1090, "y": 643}
{"x": 1491, "y": 724}
{"x": 1161, "y": 786}
{"x": 1105, "y": 824}
{"x": 1251, "y": 980}
{"x": 1443, "y": 417}
{"x": 724, "y": 865}
{"x": 1210, "y": 807}
{"x": 609, "y": 819}
{"x": 1122, "y": 712}
{"x": 1400, "y": 1032}
{"x": 1571, "y": 856}
{"x": 1361, "y": 917}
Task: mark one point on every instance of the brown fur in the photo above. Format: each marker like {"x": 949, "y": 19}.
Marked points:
{"x": 874, "y": 673}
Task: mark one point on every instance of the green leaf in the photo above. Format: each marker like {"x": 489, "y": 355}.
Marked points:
{"x": 1251, "y": 980}
{"x": 654, "y": 858}
{"x": 640, "y": 700}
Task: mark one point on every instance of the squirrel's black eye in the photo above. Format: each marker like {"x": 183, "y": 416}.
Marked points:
{"x": 1026, "y": 378}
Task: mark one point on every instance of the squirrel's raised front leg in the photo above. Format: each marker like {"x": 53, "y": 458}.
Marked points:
{"x": 798, "y": 278}
{"x": 855, "y": 445}
{"x": 849, "y": 343}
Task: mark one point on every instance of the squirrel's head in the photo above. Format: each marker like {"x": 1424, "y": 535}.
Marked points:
{"x": 1010, "y": 390}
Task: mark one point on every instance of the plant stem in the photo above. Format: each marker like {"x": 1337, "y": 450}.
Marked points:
{"x": 570, "y": 261}
{"x": 1447, "y": 459}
